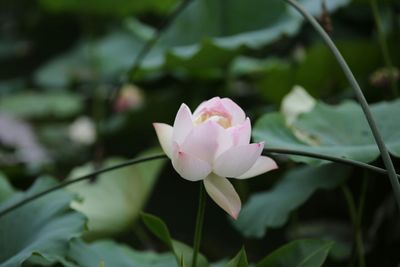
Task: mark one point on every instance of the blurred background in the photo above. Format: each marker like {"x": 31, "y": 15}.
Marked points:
{"x": 78, "y": 85}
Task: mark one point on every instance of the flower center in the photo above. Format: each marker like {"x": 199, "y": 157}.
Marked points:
{"x": 222, "y": 119}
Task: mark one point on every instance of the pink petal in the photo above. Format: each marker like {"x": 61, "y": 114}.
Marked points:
{"x": 202, "y": 141}
{"x": 164, "y": 134}
{"x": 223, "y": 193}
{"x": 209, "y": 104}
{"x": 237, "y": 160}
{"x": 188, "y": 166}
{"x": 183, "y": 124}
{"x": 262, "y": 165}
{"x": 225, "y": 142}
{"x": 241, "y": 133}
{"x": 237, "y": 113}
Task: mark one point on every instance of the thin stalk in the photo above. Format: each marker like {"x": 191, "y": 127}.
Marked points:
{"x": 76, "y": 180}
{"x": 199, "y": 224}
{"x": 356, "y": 221}
{"x": 360, "y": 96}
{"x": 134, "y": 161}
{"x": 384, "y": 47}
{"x": 350, "y": 162}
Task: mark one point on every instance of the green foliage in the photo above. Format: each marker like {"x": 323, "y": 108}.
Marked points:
{"x": 33, "y": 105}
{"x": 114, "y": 199}
{"x": 340, "y": 131}
{"x": 240, "y": 260}
{"x": 182, "y": 251}
{"x": 63, "y": 59}
{"x": 271, "y": 209}
{"x": 316, "y": 69}
{"x": 201, "y": 41}
{"x": 112, "y": 254}
{"x": 158, "y": 228}
{"x": 341, "y": 233}
{"x": 42, "y": 228}
{"x": 6, "y": 189}
{"x": 299, "y": 253}
{"x": 107, "y": 8}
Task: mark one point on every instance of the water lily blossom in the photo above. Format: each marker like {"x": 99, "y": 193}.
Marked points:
{"x": 213, "y": 143}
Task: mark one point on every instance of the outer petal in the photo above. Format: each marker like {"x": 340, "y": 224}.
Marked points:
{"x": 241, "y": 133}
{"x": 237, "y": 113}
{"x": 237, "y": 160}
{"x": 202, "y": 141}
{"x": 164, "y": 134}
{"x": 225, "y": 141}
{"x": 223, "y": 193}
{"x": 188, "y": 166}
{"x": 183, "y": 124}
{"x": 262, "y": 165}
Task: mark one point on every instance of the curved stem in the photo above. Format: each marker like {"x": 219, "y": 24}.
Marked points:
{"x": 135, "y": 161}
{"x": 79, "y": 179}
{"x": 199, "y": 224}
{"x": 360, "y": 96}
{"x": 327, "y": 157}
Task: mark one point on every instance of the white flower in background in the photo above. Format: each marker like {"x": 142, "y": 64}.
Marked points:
{"x": 298, "y": 101}
{"x": 82, "y": 131}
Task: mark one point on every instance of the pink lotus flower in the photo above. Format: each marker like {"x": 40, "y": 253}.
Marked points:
{"x": 211, "y": 144}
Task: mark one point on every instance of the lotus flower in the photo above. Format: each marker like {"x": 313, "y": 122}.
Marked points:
{"x": 211, "y": 144}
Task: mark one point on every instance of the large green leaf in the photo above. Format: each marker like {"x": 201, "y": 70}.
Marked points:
{"x": 183, "y": 252}
{"x": 111, "y": 254}
{"x": 46, "y": 104}
{"x": 340, "y": 131}
{"x": 114, "y": 199}
{"x": 271, "y": 209}
{"x": 42, "y": 228}
{"x": 202, "y": 40}
{"x": 299, "y": 253}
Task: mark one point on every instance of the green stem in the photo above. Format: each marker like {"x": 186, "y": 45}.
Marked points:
{"x": 134, "y": 161}
{"x": 384, "y": 47}
{"x": 327, "y": 157}
{"x": 360, "y": 96}
{"x": 199, "y": 224}
{"x": 356, "y": 221}
{"x": 82, "y": 178}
